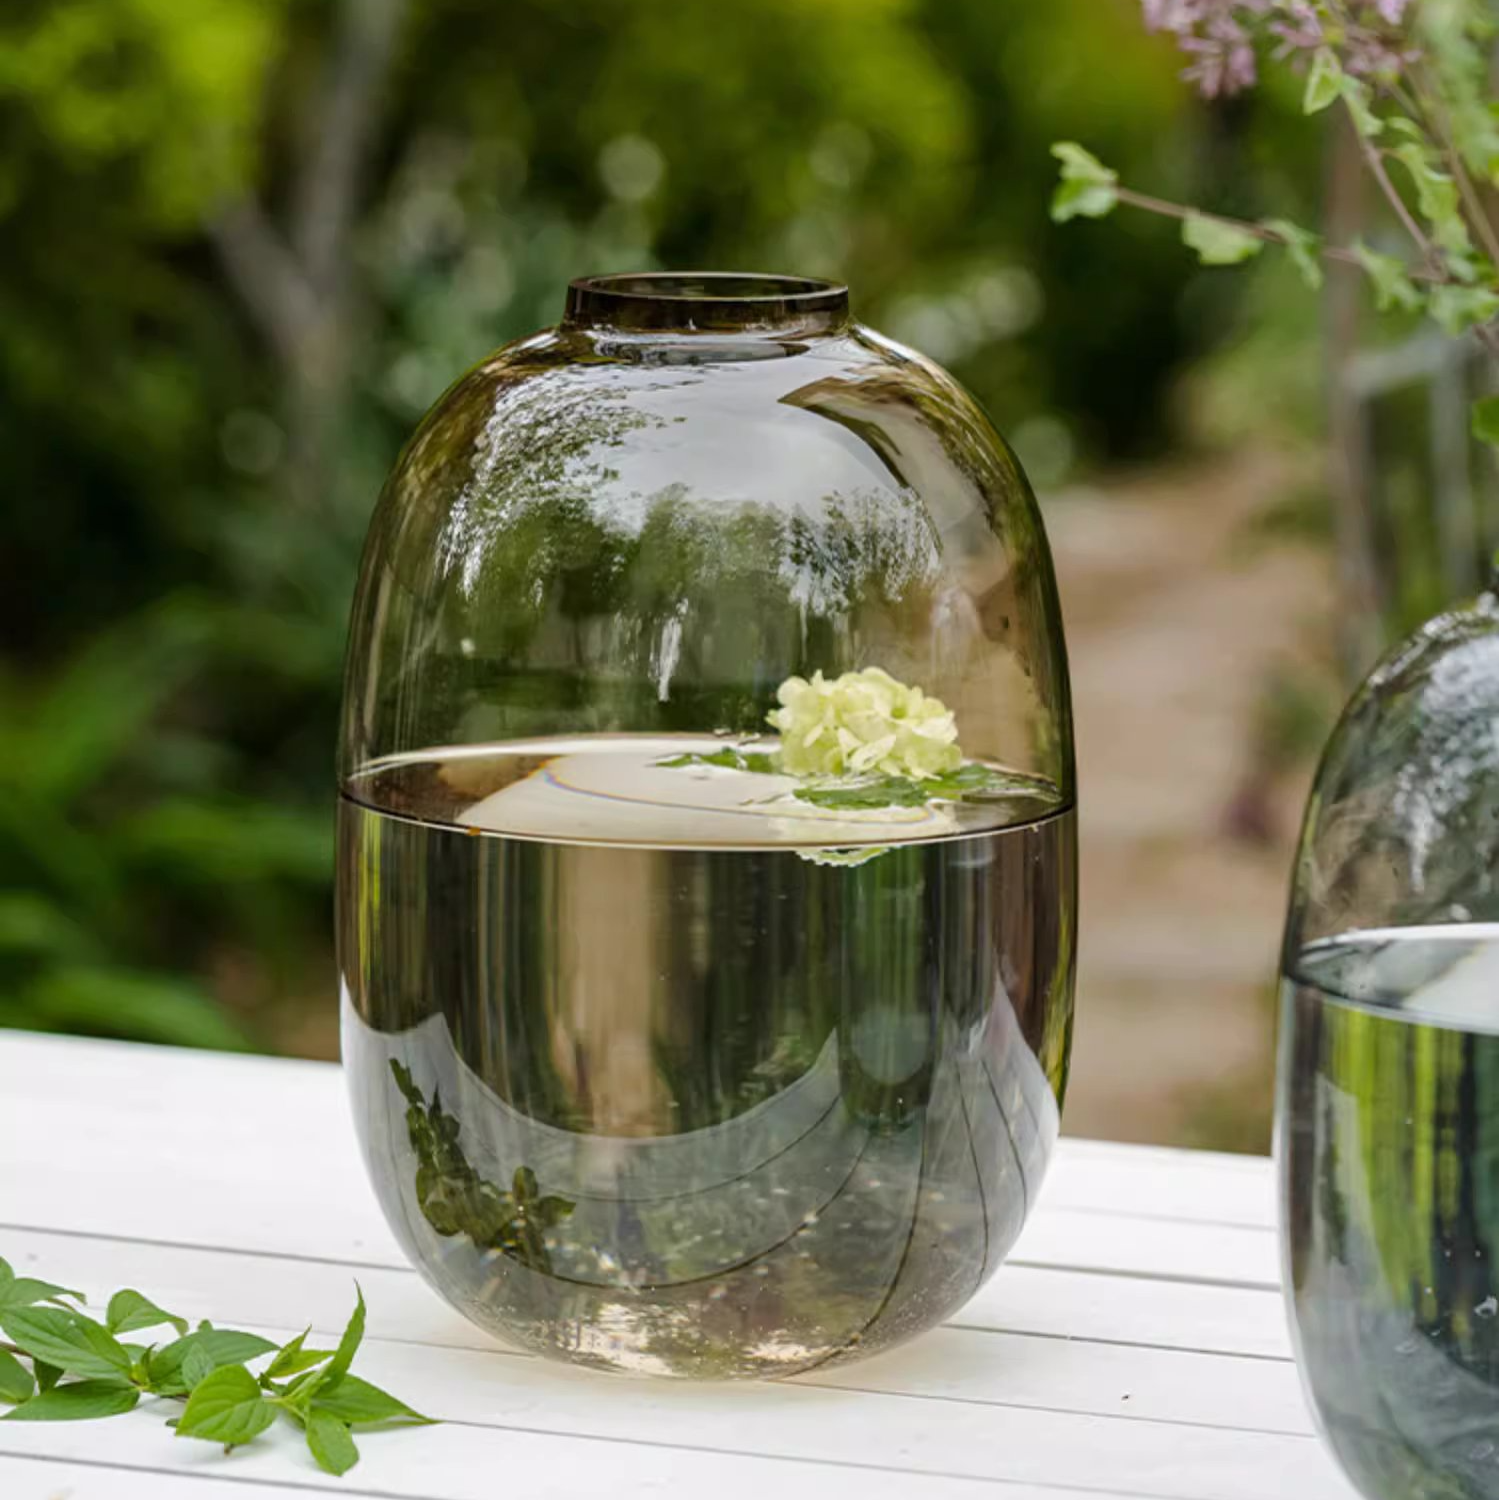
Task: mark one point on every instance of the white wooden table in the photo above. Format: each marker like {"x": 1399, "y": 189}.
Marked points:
{"x": 1133, "y": 1346}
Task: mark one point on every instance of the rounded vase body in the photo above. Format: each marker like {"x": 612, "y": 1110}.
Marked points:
{"x": 706, "y": 875}
{"x": 1388, "y": 1122}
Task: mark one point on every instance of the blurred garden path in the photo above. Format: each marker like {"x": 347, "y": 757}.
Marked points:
{"x": 1179, "y": 616}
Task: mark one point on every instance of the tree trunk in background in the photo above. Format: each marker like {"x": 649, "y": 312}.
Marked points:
{"x": 296, "y": 284}
{"x": 1361, "y": 601}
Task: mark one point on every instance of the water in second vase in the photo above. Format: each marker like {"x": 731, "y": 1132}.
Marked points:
{"x": 1390, "y": 1171}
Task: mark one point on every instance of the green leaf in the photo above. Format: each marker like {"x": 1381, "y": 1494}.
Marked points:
{"x": 1356, "y": 97}
{"x": 227, "y": 1407}
{"x": 78, "y": 1401}
{"x": 348, "y": 1345}
{"x": 1324, "y": 83}
{"x": 1088, "y": 189}
{"x": 298, "y": 1394}
{"x": 971, "y": 780}
{"x": 129, "y": 1310}
{"x": 1437, "y": 197}
{"x": 197, "y": 1366}
{"x": 46, "y": 1375}
{"x": 1303, "y": 247}
{"x": 66, "y": 1339}
{"x": 730, "y": 758}
{"x": 23, "y": 1291}
{"x": 1486, "y": 420}
{"x": 221, "y": 1346}
{"x": 1390, "y": 276}
{"x": 1459, "y": 308}
{"x": 331, "y": 1443}
{"x": 16, "y": 1383}
{"x": 881, "y": 791}
{"x": 293, "y": 1358}
{"x": 359, "y": 1403}
{"x": 1217, "y": 243}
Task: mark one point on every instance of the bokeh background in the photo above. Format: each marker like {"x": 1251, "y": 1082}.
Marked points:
{"x": 244, "y": 243}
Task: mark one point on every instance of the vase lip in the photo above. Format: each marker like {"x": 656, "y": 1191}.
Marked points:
{"x": 707, "y": 302}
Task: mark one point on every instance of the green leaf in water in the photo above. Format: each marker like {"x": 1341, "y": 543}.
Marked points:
{"x": 971, "y": 782}
{"x": 729, "y": 758}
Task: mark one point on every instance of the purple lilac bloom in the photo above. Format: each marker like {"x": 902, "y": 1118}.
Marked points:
{"x": 1219, "y": 36}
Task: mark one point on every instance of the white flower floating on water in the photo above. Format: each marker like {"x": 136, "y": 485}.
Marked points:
{"x": 862, "y": 723}
{"x": 866, "y": 744}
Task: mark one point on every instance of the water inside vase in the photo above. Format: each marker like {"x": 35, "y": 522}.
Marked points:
{"x": 1390, "y": 1169}
{"x": 658, "y": 1067}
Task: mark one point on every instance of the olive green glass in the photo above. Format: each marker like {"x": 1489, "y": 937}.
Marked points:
{"x": 663, "y": 1056}
{"x": 1388, "y": 1125}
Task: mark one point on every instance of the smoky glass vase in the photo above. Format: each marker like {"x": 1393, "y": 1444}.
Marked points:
{"x": 706, "y": 873}
{"x": 1388, "y": 1126}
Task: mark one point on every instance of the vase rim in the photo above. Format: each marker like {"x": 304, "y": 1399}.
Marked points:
{"x": 706, "y": 301}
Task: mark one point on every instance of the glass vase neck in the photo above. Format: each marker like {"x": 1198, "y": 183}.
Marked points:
{"x": 720, "y": 302}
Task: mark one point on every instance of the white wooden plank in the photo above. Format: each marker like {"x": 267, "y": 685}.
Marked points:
{"x": 1064, "y": 1304}
{"x": 1144, "y": 1246}
{"x": 63, "y": 1479}
{"x": 555, "y": 1431}
{"x": 952, "y": 1364}
{"x": 1020, "y": 1300}
{"x": 298, "y": 1186}
{"x": 1205, "y": 1187}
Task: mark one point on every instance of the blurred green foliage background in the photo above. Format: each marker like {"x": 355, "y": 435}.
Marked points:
{"x": 244, "y": 243}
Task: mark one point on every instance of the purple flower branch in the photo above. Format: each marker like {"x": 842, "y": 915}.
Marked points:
{"x": 1219, "y": 36}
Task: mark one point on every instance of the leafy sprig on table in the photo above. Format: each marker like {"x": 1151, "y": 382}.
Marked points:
{"x": 57, "y": 1364}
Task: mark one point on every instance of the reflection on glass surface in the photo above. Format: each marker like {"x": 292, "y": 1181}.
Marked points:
{"x": 1389, "y": 1110}
{"x": 657, "y": 1065}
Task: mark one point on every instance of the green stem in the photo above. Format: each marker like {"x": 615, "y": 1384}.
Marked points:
{"x": 1335, "y": 253}
{"x": 1375, "y": 162}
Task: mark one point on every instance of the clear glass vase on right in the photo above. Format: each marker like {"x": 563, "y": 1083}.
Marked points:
{"x": 1388, "y": 1119}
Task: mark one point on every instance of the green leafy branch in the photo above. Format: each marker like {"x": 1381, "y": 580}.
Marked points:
{"x": 1431, "y": 126}
{"x": 60, "y": 1365}
{"x": 971, "y": 782}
